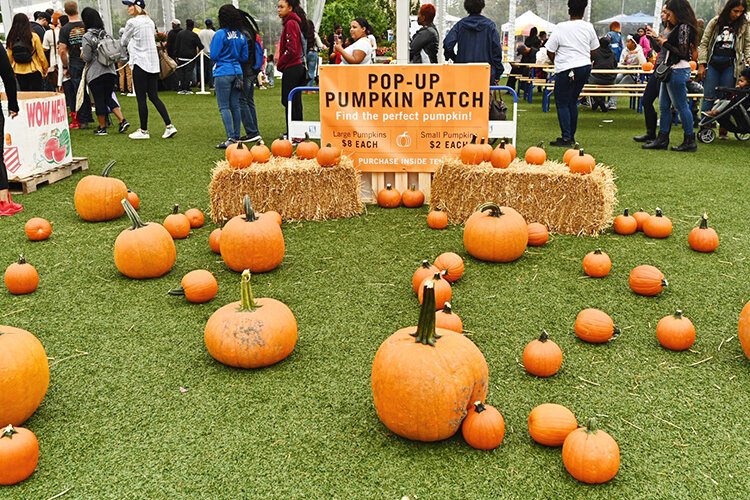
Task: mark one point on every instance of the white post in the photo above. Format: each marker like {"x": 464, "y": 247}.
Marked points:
{"x": 236, "y": 4}
{"x": 402, "y": 31}
{"x": 203, "y": 83}
{"x": 106, "y": 13}
{"x": 167, "y": 7}
{"x": 657, "y": 15}
{"x": 511, "y": 55}
{"x": 587, "y": 13}
{"x": 7, "y": 14}
{"x": 442, "y": 28}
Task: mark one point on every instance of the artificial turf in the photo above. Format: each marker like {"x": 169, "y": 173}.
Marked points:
{"x": 138, "y": 409}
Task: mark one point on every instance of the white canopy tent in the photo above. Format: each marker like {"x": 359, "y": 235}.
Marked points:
{"x": 526, "y": 21}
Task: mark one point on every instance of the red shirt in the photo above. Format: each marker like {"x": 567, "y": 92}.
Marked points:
{"x": 290, "y": 46}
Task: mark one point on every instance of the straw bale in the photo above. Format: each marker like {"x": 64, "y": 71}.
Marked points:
{"x": 297, "y": 189}
{"x": 565, "y": 202}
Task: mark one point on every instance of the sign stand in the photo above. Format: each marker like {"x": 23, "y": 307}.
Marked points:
{"x": 203, "y": 76}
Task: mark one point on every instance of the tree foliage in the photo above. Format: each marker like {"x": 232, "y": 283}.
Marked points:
{"x": 380, "y": 14}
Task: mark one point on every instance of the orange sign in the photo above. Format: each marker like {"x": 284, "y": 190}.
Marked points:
{"x": 403, "y": 118}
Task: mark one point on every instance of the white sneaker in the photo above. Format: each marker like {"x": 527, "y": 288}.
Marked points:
{"x": 169, "y": 132}
{"x": 140, "y": 134}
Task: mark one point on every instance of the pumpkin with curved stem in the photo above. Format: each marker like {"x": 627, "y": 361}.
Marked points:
{"x": 442, "y": 288}
{"x": 597, "y": 264}
{"x": 424, "y": 271}
{"x": 657, "y": 226}
{"x": 538, "y": 234}
{"x": 446, "y": 318}
{"x": 743, "y": 330}
{"x": 97, "y": 197}
{"x": 177, "y": 224}
{"x": 307, "y": 149}
{"x": 24, "y": 378}
{"x": 590, "y": 455}
{"x": 500, "y": 157}
{"x": 389, "y": 197}
{"x": 37, "y": 229}
{"x": 251, "y": 333}
{"x": 595, "y": 326}
{"x": 248, "y": 242}
{"x": 144, "y": 250}
{"x": 472, "y": 153}
{"x": 412, "y": 197}
{"x": 213, "y": 240}
{"x": 195, "y": 217}
{"x": 647, "y": 280}
{"x": 240, "y": 156}
{"x": 197, "y": 286}
{"x": 675, "y": 332}
{"x": 640, "y": 218}
{"x": 486, "y": 149}
{"x": 703, "y": 238}
{"x": 570, "y": 153}
{"x": 260, "y": 152}
{"x": 542, "y": 357}
{"x": 437, "y": 219}
{"x": 328, "y": 156}
{"x": 536, "y": 155}
{"x": 484, "y": 427}
{"x": 452, "y": 264}
{"x": 496, "y": 234}
{"x": 21, "y": 277}
{"x": 625, "y": 223}
{"x": 549, "y": 424}
{"x": 582, "y": 163}
{"x": 19, "y": 454}
{"x": 424, "y": 379}
{"x": 282, "y": 147}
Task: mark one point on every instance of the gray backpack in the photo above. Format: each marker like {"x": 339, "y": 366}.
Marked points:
{"x": 108, "y": 50}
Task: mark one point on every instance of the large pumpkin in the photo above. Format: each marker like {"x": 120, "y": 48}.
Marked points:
{"x": 424, "y": 379}
{"x": 647, "y": 280}
{"x": 549, "y": 424}
{"x": 496, "y": 234}
{"x": 251, "y": 333}
{"x": 97, "y": 197}
{"x": 248, "y": 242}
{"x": 590, "y": 455}
{"x": 144, "y": 250}
{"x": 24, "y": 375}
{"x": 19, "y": 454}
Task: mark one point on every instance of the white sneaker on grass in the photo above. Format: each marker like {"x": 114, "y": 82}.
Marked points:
{"x": 140, "y": 134}
{"x": 169, "y": 132}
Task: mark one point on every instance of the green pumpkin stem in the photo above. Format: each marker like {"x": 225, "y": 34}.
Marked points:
{"x": 247, "y": 302}
{"x": 494, "y": 209}
{"x": 544, "y": 337}
{"x": 8, "y": 431}
{"x": 592, "y": 425}
{"x": 135, "y": 219}
{"x": 307, "y": 137}
{"x": 249, "y": 212}
{"x": 704, "y": 221}
{"x": 413, "y": 187}
{"x": 479, "y": 407}
{"x": 425, "y": 333}
{"x": 177, "y": 291}
{"x": 108, "y": 168}
{"x": 678, "y": 314}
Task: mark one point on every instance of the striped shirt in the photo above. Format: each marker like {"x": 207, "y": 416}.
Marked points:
{"x": 140, "y": 39}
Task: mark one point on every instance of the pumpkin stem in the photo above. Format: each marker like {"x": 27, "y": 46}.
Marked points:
{"x": 540, "y": 145}
{"x": 591, "y": 426}
{"x": 616, "y": 331}
{"x": 387, "y": 186}
{"x": 447, "y": 308}
{"x": 626, "y": 212}
{"x": 502, "y": 144}
{"x": 479, "y": 407}
{"x": 492, "y": 207}
{"x": 249, "y": 212}
{"x": 704, "y": 221}
{"x": 576, "y": 146}
{"x": 135, "y": 219}
{"x": 598, "y": 251}
{"x": 659, "y": 212}
{"x": 21, "y": 259}
{"x": 105, "y": 172}
{"x": 307, "y": 137}
{"x": 413, "y": 187}
{"x": 678, "y": 314}
{"x": 425, "y": 264}
{"x": 8, "y": 431}
{"x": 177, "y": 291}
{"x": 544, "y": 337}
{"x": 328, "y": 145}
{"x": 664, "y": 282}
{"x": 176, "y": 208}
{"x": 473, "y": 138}
{"x": 580, "y": 152}
{"x": 425, "y": 333}
{"x": 247, "y": 302}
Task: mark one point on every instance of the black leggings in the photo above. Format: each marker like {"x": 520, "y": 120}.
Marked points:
{"x": 30, "y": 82}
{"x": 146, "y": 85}
{"x": 296, "y": 76}
{"x": 101, "y": 90}
{"x": 650, "y": 95}
{"x": 3, "y": 172}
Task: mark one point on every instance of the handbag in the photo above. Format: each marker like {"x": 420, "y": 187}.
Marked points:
{"x": 663, "y": 71}
{"x": 498, "y": 108}
{"x": 167, "y": 65}
{"x": 81, "y": 91}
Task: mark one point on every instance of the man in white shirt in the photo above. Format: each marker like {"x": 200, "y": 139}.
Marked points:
{"x": 571, "y": 47}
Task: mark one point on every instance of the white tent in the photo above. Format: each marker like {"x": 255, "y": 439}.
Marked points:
{"x": 526, "y": 21}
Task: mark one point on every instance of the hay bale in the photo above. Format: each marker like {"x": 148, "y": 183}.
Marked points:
{"x": 297, "y": 189}
{"x": 565, "y": 202}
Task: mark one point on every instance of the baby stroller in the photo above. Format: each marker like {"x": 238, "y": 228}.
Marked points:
{"x": 734, "y": 118}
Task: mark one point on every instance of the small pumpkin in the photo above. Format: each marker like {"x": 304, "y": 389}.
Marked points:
{"x": 437, "y": 218}
{"x": 640, "y": 217}
{"x": 19, "y": 454}
{"x": 134, "y": 199}
{"x": 496, "y": 234}
{"x": 446, "y": 318}
{"x": 328, "y": 156}
{"x": 260, "y": 152}
{"x": 538, "y": 234}
{"x": 647, "y": 280}
{"x": 536, "y": 155}
{"x": 647, "y": 66}
{"x": 703, "y": 238}
{"x": 282, "y": 147}
{"x": 597, "y": 264}
{"x": 307, "y": 149}
{"x": 230, "y": 149}
{"x": 484, "y": 427}
{"x": 500, "y": 157}
{"x": 570, "y": 153}
{"x": 582, "y": 163}
{"x": 511, "y": 149}
{"x": 443, "y": 290}
{"x": 424, "y": 271}
{"x": 743, "y": 330}
{"x": 251, "y": 333}
{"x": 590, "y": 455}
{"x": 595, "y": 326}
{"x": 486, "y": 149}
{"x": 195, "y": 217}
{"x": 249, "y": 242}
{"x": 549, "y": 424}
{"x": 21, "y": 277}
{"x": 657, "y": 226}
{"x": 542, "y": 357}
{"x": 272, "y": 215}
{"x": 389, "y": 197}
{"x": 675, "y": 332}
{"x": 177, "y": 224}
{"x": 197, "y": 286}
{"x": 412, "y": 197}
{"x": 24, "y": 378}
{"x": 37, "y": 229}
{"x": 625, "y": 223}
{"x": 97, "y": 197}
{"x": 472, "y": 153}
{"x": 144, "y": 250}
{"x": 452, "y": 264}
{"x": 240, "y": 156}
{"x": 693, "y": 65}
{"x": 213, "y": 240}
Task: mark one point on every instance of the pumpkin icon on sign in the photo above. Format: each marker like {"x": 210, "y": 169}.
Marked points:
{"x": 403, "y": 140}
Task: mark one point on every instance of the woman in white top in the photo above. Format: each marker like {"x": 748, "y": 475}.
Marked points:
{"x": 139, "y": 38}
{"x": 359, "y": 52}
{"x": 51, "y": 36}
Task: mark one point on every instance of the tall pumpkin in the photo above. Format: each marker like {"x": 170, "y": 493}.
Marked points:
{"x": 144, "y": 250}
{"x": 249, "y": 242}
{"x": 424, "y": 379}
{"x": 24, "y": 375}
{"x": 496, "y": 234}
{"x": 97, "y": 197}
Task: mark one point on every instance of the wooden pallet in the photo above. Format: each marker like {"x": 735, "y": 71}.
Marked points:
{"x": 30, "y": 184}
{"x": 375, "y": 181}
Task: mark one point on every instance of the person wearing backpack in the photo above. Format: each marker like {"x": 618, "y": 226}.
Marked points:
{"x": 101, "y": 74}
{"x": 250, "y": 71}
{"x": 26, "y": 54}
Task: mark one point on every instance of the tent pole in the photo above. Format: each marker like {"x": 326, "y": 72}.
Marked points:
{"x": 510, "y": 55}
{"x": 402, "y": 31}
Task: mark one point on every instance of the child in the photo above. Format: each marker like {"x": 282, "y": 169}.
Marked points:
{"x": 722, "y": 104}
{"x": 270, "y": 70}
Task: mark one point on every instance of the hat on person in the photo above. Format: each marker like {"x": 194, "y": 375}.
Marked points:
{"x": 137, "y": 3}
{"x": 208, "y": 22}
{"x": 521, "y": 48}
{"x": 176, "y": 22}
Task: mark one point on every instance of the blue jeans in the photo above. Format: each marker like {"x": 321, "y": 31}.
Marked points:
{"x": 715, "y": 78}
{"x": 228, "y": 98}
{"x": 567, "y": 90}
{"x": 674, "y": 93}
{"x": 247, "y": 105}
{"x": 312, "y": 65}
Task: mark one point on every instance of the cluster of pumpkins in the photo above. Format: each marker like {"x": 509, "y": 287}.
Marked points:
{"x": 240, "y": 156}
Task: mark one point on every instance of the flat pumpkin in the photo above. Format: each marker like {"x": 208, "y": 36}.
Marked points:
{"x": 19, "y": 454}
{"x": 24, "y": 377}
{"x": 97, "y": 197}
{"x": 249, "y": 242}
{"x": 647, "y": 280}
{"x": 549, "y": 424}
{"x": 594, "y": 326}
{"x": 145, "y": 250}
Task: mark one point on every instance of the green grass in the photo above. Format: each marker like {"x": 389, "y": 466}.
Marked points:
{"x": 115, "y": 424}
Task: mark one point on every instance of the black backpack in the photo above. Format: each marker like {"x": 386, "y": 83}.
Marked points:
{"x": 22, "y": 53}
{"x": 250, "y": 30}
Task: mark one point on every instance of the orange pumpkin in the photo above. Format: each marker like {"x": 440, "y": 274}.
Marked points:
{"x": 260, "y": 152}
{"x": 443, "y": 290}
{"x": 549, "y": 424}
{"x": 693, "y": 65}
{"x": 675, "y": 332}
{"x": 500, "y": 157}
{"x": 24, "y": 378}
{"x": 703, "y": 238}
{"x": 328, "y": 156}
{"x": 424, "y": 271}
{"x": 496, "y": 234}
{"x": 251, "y": 333}
{"x": 197, "y": 286}
{"x": 437, "y": 219}
{"x": 307, "y": 149}
{"x": 582, "y": 163}
{"x": 249, "y": 242}
{"x": 177, "y": 224}
{"x": 484, "y": 427}
{"x": 144, "y": 250}
{"x": 271, "y": 215}
{"x": 486, "y": 149}
{"x": 37, "y": 229}
{"x": 472, "y": 153}
{"x": 195, "y": 217}
{"x": 658, "y": 226}
{"x": 743, "y": 330}
{"x": 594, "y": 326}
{"x": 590, "y": 455}
{"x": 423, "y": 384}
{"x": 239, "y": 156}
{"x": 446, "y": 318}
{"x": 597, "y": 264}
{"x": 452, "y": 264}
{"x": 536, "y": 155}
{"x": 389, "y": 197}
{"x": 21, "y": 277}
{"x": 230, "y": 149}
{"x": 625, "y": 223}
{"x": 538, "y": 234}
{"x": 511, "y": 149}
{"x": 570, "y": 153}
{"x": 134, "y": 199}
{"x": 97, "y": 197}
{"x": 542, "y": 357}
{"x": 647, "y": 66}
{"x": 213, "y": 240}
{"x": 640, "y": 217}
{"x": 412, "y": 197}
{"x": 282, "y": 147}
{"x": 19, "y": 454}
{"x": 647, "y": 280}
